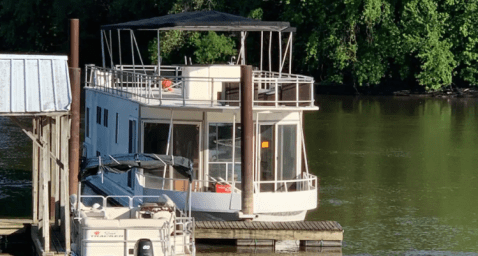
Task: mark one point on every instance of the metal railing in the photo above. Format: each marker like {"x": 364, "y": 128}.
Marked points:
{"x": 142, "y": 84}
{"x": 303, "y": 182}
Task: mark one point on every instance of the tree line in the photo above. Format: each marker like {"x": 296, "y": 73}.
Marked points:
{"x": 428, "y": 44}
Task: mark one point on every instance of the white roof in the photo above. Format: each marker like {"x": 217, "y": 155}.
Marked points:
{"x": 34, "y": 84}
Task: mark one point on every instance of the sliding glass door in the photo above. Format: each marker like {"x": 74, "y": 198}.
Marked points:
{"x": 278, "y": 156}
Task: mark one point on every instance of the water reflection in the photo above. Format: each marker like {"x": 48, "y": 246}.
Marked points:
{"x": 397, "y": 173}
{"x": 282, "y": 249}
{"x": 15, "y": 170}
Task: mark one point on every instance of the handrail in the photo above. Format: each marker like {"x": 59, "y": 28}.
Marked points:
{"x": 269, "y": 89}
{"x": 305, "y": 183}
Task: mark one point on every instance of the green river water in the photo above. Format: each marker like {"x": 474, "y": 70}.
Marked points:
{"x": 399, "y": 174}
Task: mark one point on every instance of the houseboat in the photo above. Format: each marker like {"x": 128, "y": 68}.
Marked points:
{"x": 193, "y": 111}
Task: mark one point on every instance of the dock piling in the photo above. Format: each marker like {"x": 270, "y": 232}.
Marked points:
{"x": 247, "y": 127}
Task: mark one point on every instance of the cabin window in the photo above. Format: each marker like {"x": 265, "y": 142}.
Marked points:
{"x": 132, "y": 137}
{"x": 98, "y": 115}
{"x": 116, "y": 129}
{"x": 184, "y": 141}
{"x": 267, "y": 157}
{"x": 87, "y": 122}
{"x": 130, "y": 178}
{"x": 98, "y": 153}
{"x": 221, "y": 152}
{"x": 287, "y": 152}
{"x": 105, "y": 118}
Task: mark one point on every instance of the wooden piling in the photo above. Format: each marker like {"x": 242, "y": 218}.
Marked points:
{"x": 247, "y": 125}
{"x": 75, "y": 74}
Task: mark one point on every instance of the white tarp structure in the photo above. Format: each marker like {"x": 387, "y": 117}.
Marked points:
{"x": 31, "y": 84}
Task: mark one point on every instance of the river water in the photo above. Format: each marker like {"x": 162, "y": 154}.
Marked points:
{"x": 399, "y": 174}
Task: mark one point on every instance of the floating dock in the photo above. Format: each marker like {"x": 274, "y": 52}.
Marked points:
{"x": 310, "y": 233}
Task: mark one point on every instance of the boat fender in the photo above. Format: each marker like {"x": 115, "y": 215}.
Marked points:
{"x": 143, "y": 247}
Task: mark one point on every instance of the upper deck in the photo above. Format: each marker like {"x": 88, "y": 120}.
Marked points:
{"x": 201, "y": 86}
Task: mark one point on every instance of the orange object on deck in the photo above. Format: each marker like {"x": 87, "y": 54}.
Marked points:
{"x": 220, "y": 188}
{"x": 166, "y": 83}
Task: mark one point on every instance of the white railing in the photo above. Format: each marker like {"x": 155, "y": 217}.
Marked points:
{"x": 141, "y": 83}
{"x": 304, "y": 182}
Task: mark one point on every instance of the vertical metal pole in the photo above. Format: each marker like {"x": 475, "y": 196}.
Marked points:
{"x": 243, "y": 46}
{"x": 75, "y": 73}
{"x": 132, "y": 50}
{"x": 280, "y": 54}
{"x": 102, "y": 46}
{"x": 233, "y": 152}
{"x": 290, "y": 54}
{"x": 119, "y": 49}
{"x": 270, "y": 51}
{"x": 111, "y": 50}
{"x": 247, "y": 126}
{"x": 262, "y": 46}
{"x": 159, "y": 55}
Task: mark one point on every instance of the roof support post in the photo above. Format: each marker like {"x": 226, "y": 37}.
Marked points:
{"x": 270, "y": 51}
{"x": 35, "y": 161}
{"x": 262, "y": 46}
{"x": 159, "y": 55}
{"x": 243, "y": 47}
{"x": 290, "y": 54}
{"x": 132, "y": 50}
{"x": 102, "y": 48}
{"x": 247, "y": 158}
{"x": 119, "y": 48}
{"x": 280, "y": 54}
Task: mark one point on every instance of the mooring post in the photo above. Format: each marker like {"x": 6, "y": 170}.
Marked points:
{"x": 247, "y": 127}
{"x": 75, "y": 74}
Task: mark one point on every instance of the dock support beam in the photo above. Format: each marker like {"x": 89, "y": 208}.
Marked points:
{"x": 247, "y": 126}
{"x": 75, "y": 75}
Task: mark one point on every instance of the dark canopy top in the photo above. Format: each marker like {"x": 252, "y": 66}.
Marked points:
{"x": 125, "y": 162}
{"x": 202, "y": 21}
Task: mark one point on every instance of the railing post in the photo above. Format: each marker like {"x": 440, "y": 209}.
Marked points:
{"x": 311, "y": 94}
{"x": 212, "y": 91}
{"x": 184, "y": 96}
{"x": 276, "y": 93}
{"x": 297, "y": 92}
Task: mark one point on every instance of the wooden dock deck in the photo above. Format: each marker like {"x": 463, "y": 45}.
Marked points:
{"x": 14, "y": 226}
{"x": 310, "y": 233}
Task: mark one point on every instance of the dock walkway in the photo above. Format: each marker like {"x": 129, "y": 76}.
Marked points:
{"x": 13, "y": 226}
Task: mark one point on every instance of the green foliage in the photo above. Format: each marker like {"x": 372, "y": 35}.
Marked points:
{"x": 212, "y": 48}
{"x": 431, "y": 43}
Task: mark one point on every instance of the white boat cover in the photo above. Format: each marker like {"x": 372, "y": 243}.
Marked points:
{"x": 32, "y": 84}
{"x": 122, "y": 163}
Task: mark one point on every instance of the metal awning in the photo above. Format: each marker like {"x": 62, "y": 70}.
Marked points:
{"x": 202, "y": 21}
{"x": 34, "y": 84}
